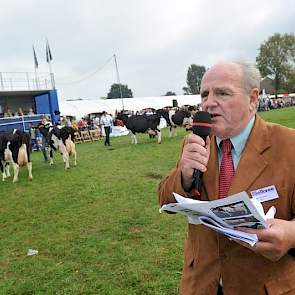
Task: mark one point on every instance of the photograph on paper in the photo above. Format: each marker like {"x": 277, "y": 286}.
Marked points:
{"x": 249, "y": 221}
{"x": 231, "y": 210}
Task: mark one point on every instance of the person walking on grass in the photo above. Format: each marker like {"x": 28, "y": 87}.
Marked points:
{"x": 107, "y": 122}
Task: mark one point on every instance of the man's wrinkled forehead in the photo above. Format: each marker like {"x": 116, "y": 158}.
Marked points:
{"x": 222, "y": 73}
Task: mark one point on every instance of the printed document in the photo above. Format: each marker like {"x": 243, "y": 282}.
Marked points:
{"x": 224, "y": 215}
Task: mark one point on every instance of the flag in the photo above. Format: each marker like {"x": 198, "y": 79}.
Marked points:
{"x": 35, "y": 58}
{"x": 48, "y": 52}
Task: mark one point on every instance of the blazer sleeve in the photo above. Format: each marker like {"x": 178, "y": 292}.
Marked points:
{"x": 172, "y": 183}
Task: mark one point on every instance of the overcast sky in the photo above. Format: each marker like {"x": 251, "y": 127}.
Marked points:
{"x": 155, "y": 41}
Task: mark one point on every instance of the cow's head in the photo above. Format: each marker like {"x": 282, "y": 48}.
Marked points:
{"x": 165, "y": 114}
{"x": 123, "y": 117}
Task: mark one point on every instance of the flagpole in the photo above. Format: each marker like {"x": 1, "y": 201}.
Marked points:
{"x": 51, "y": 75}
{"x": 36, "y": 79}
{"x": 118, "y": 77}
{"x": 35, "y": 66}
{"x": 49, "y": 59}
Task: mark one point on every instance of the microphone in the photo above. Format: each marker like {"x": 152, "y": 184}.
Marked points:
{"x": 201, "y": 127}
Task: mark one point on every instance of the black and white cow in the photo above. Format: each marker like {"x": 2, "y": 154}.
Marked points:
{"x": 141, "y": 124}
{"x": 175, "y": 118}
{"x": 62, "y": 140}
{"x": 15, "y": 147}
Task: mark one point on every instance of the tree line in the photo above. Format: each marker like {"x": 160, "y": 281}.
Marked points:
{"x": 275, "y": 60}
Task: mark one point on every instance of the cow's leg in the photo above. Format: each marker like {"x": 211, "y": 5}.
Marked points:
{"x": 65, "y": 155}
{"x": 51, "y": 156}
{"x": 159, "y": 134}
{"x": 2, "y": 171}
{"x": 29, "y": 166}
{"x": 15, "y": 172}
{"x": 133, "y": 138}
{"x": 7, "y": 170}
{"x": 15, "y": 154}
{"x": 174, "y": 131}
{"x": 74, "y": 154}
{"x": 170, "y": 131}
{"x": 75, "y": 158}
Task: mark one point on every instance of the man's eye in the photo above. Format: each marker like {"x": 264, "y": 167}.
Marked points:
{"x": 204, "y": 95}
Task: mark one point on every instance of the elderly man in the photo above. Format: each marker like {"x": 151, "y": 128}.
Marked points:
{"x": 243, "y": 153}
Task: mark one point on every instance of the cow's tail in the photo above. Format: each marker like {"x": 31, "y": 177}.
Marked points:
{"x": 22, "y": 159}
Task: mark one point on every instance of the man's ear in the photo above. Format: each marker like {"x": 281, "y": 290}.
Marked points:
{"x": 254, "y": 95}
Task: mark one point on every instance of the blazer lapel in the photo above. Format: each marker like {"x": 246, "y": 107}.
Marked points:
{"x": 252, "y": 162}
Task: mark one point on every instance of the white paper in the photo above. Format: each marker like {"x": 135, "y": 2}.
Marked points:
{"x": 224, "y": 215}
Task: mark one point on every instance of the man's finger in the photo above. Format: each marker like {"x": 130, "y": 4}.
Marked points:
{"x": 265, "y": 235}
{"x": 192, "y": 138}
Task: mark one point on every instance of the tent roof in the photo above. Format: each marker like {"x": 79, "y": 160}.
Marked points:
{"x": 82, "y": 107}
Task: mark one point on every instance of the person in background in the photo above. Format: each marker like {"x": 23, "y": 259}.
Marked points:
{"x": 96, "y": 123}
{"x": 243, "y": 153}
{"x": 33, "y": 131}
{"x": 74, "y": 124}
{"x": 20, "y": 112}
{"x": 82, "y": 124}
{"x": 30, "y": 112}
{"x": 45, "y": 123}
{"x": 8, "y": 113}
{"x": 68, "y": 122}
{"x": 107, "y": 122}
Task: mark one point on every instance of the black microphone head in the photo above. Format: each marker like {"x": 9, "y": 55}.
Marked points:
{"x": 202, "y": 124}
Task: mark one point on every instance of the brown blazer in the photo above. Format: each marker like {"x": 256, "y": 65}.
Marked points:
{"x": 268, "y": 158}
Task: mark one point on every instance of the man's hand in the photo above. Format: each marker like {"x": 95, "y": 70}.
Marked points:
{"x": 273, "y": 242}
{"x": 195, "y": 155}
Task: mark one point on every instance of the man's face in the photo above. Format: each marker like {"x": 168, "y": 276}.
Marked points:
{"x": 225, "y": 98}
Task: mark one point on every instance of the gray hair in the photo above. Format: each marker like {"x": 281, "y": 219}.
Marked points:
{"x": 251, "y": 75}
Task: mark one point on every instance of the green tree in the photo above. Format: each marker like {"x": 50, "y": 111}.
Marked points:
{"x": 276, "y": 59}
{"x": 170, "y": 93}
{"x": 115, "y": 91}
{"x": 193, "y": 79}
{"x": 290, "y": 83}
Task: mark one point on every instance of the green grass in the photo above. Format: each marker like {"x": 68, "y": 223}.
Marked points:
{"x": 96, "y": 226}
{"x": 284, "y": 116}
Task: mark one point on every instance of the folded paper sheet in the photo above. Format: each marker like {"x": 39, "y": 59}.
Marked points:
{"x": 224, "y": 215}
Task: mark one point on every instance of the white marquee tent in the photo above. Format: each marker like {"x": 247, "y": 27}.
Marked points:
{"x": 82, "y": 107}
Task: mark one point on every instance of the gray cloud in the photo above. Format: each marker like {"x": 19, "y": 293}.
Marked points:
{"x": 155, "y": 41}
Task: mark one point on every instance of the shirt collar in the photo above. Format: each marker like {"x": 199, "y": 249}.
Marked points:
{"x": 239, "y": 141}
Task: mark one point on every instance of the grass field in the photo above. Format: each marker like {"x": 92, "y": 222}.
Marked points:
{"x": 96, "y": 226}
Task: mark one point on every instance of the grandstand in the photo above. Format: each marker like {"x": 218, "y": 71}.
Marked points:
{"x": 27, "y": 91}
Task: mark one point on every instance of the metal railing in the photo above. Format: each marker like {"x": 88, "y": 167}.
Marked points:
{"x": 21, "y": 122}
{"x": 23, "y": 81}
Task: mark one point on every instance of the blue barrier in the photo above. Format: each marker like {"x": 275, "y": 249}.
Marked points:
{"x": 21, "y": 123}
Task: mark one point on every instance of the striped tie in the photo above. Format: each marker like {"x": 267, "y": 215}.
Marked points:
{"x": 227, "y": 171}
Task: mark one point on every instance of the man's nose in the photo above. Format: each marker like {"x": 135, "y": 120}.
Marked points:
{"x": 209, "y": 101}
